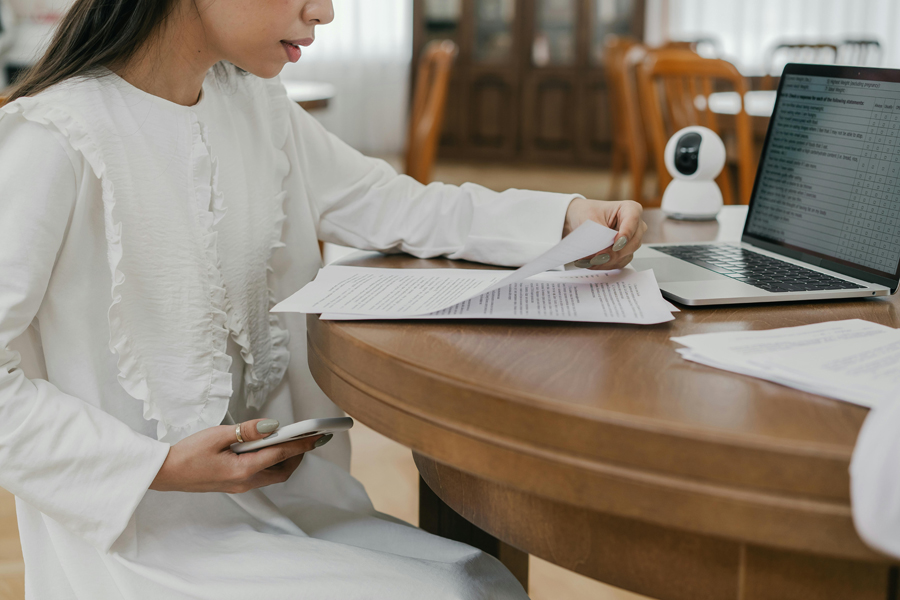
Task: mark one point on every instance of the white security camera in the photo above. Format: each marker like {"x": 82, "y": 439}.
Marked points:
{"x": 694, "y": 157}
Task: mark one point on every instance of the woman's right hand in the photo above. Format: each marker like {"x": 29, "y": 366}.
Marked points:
{"x": 204, "y": 462}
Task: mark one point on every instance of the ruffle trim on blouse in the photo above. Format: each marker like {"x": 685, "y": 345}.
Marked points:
{"x": 132, "y": 376}
{"x": 210, "y": 209}
{"x": 264, "y": 373}
{"x": 280, "y": 354}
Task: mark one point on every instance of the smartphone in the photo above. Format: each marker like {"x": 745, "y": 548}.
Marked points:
{"x": 296, "y": 431}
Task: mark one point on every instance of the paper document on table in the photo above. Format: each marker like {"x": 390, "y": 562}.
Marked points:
{"x": 388, "y": 292}
{"x": 855, "y": 361}
{"x": 407, "y": 292}
{"x": 344, "y": 292}
{"x": 625, "y": 296}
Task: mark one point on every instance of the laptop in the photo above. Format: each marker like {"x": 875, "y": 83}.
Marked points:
{"x": 824, "y": 216}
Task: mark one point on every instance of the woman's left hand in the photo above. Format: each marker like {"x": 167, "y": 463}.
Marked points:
{"x": 624, "y": 217}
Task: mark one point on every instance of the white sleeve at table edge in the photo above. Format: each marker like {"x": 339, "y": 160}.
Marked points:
{"x": 875, "y": 479}
{"x": 513, "y": 227}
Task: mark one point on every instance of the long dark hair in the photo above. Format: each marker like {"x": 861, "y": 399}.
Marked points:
{"x": 94, "y": 33}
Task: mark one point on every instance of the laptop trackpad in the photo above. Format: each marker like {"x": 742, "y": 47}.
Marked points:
{"x": 668, "y": 269}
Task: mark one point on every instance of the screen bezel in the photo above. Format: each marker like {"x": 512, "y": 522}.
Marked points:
{"x": 795, "y": 252}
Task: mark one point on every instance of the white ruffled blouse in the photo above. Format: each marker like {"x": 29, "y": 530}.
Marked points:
{"x": 142, "y": 244}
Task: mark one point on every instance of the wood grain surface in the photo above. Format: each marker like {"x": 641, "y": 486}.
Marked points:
{"x": 609, "y": 421}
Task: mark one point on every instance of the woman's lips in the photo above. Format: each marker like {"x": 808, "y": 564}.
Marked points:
{"x": 293, "y": 51}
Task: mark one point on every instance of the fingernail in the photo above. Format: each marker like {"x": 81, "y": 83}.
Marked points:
{"x": 600, "y": 259}
{"x": 267, "y": 426}
{"x": 323, "y": 440}
{"x": 583, "y": 263}
{"x": 620, "y": 243}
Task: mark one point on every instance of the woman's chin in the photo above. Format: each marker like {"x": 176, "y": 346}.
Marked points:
{"x": 263, "y": 70}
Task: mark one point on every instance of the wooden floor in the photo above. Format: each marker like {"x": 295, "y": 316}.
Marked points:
{"x": 589, "y": 182}
{"x": 384, "y": 467}
{"x": 12, "y": 570}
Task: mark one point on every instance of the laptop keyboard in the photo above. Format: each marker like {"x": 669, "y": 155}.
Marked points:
{"x": 759, "y": 270}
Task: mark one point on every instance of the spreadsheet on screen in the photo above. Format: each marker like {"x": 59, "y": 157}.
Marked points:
{"x": 831, "y": 174}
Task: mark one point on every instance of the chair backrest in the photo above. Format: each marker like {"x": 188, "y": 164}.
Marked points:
{"x": 619, "y": 59}
{"x": 783, "y": 53}
{"x": 859, "y": 53}
{"x": 429, "y": 100}
{"x": 674, "y": 85}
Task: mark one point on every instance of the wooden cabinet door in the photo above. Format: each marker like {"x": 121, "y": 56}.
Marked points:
{"x": 555, "y": 35}
{"x": 602, "y": 18}
{"x": 550, "y": 116}
{"x": 594, "y": 128}
{"x": 492, "y": 112}
{"x": 452, "y": 133}
{"x": 481, "y": 118}
{"x": 528, "y": 83}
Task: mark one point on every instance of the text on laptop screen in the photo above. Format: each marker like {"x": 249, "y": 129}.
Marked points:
{"x": 831, "y": 174}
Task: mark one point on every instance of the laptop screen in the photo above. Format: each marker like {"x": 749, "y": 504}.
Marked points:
{"x": 828, "y": 186}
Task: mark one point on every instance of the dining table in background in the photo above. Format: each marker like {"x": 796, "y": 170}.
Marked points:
{"x": 311, "y": 95}
{"x": 598, "y": 448}
{"x": 759, "y": 104}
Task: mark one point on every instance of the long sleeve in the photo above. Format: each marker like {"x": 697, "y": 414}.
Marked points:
{"x": 72, "y": 461}
{"x": 362, "y": 202}
{"x": 875, "y": 480}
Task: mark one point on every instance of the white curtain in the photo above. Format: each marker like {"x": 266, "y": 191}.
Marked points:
{"x": 366, "y": 54}
{"x": 745, "y": 29}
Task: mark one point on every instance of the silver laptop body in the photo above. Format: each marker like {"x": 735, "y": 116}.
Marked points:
{"x": 824, "y": 217}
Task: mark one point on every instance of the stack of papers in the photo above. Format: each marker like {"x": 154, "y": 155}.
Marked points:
{"x": 855, "y": 361}
{"x": 530, "y": 292}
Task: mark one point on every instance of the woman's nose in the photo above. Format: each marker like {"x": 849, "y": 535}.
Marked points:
{"x": 318, "y": 12}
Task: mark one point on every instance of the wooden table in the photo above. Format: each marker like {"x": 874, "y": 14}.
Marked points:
{"x": 311, "y": 95}
{"x": 758, "y": 103}
{"x": 598, "y": 448}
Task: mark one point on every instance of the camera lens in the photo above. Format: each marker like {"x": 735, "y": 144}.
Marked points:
{"x": 687, "y": 153}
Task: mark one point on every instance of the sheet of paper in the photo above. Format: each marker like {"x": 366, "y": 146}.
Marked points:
{"x": 848, "y": 360}
{"x": 588, "y": 239}
{"x": 739, "y": 346}
{"x": 864, "y": 367}
{"x": 625, "y": 296}
{"x": 760, "y": 373}
{"x": 408, "y": 292}
{"x": 388, "y": 292}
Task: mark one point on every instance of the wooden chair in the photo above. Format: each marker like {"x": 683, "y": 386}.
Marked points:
{"x": 798, "y": 52}
{"x": 673, "y": 85}
{"x": 620, "y": 57}
{"x": 429, "y": 100}
{"x": 859, "y": 53}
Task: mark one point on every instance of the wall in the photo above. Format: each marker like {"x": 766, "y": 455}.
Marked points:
{"x": 747, "y": 28}
{"x": 366, "y": 54}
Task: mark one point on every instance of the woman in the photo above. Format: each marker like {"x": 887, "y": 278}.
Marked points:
{"x": 156, "y": 201}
